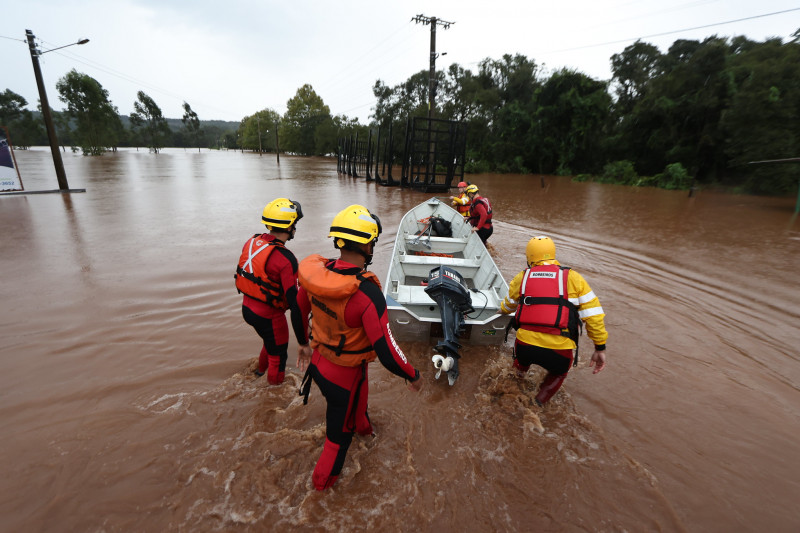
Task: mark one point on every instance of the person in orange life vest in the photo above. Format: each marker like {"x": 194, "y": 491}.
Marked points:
{"x": 267, "y": 278}
{"x": 350, "y": 328}
{"x": 548, "y": 300}
{"x": 480, "y": 213}
{"x": 462, "y": 201}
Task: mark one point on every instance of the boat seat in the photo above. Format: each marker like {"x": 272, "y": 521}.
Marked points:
{"x": 448, "y": 245}
{"x": 434, "y": 261}
{"x": 415, "y": 295}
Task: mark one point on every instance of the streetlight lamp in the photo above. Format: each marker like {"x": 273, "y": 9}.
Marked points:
{"x": 48, "y": 118}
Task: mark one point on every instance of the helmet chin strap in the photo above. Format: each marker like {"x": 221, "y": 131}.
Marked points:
{"x": 367, "y": 256}
{"x": 355, "y": 247}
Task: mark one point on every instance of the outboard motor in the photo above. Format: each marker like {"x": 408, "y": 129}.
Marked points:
{"x": 447, "y": 288}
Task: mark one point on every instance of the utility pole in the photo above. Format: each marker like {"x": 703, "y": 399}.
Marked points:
{"x": 433, "y": 21}
{"x": 277, "y": 145}
{"x": 258, "y": 121}
{"x": 48, "y": 118}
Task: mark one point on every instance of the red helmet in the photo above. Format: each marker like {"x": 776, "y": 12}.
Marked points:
{"x": 462, "y": 184}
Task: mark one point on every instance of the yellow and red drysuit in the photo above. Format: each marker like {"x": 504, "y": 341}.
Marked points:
{"x": 462, "y": 204}
{"x": 545, "y": 298}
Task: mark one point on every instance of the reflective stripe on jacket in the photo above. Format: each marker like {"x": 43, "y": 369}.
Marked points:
{"x": 329, "y": 292}
{"x": 580, "y": 293}
{"x": 462, "y": 204}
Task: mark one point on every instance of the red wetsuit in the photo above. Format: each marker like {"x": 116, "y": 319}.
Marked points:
{"x": 346, "y": 388}
{"x": 270, "y": 322}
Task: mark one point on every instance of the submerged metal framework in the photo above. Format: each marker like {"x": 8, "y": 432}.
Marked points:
{"x": 432, "y": 159}
{"x": 434, "y": 154}
{"x": 354, "y": 156}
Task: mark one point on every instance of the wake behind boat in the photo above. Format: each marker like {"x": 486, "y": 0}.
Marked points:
{"x": 443, "y": 284}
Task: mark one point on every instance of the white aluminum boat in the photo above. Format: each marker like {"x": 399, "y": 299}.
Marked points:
{"x": 419, "y": 248}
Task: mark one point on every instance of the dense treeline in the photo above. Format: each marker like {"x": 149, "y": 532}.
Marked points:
{"x": 27, "y": 129}
{"x": 701, "y": 111}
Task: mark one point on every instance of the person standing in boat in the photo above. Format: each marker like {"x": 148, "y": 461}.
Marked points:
{"x": 549, "y": 300}
{"x": 462, "y": 201}
{"x": 350, "y": 329}
{"x": 480, "y": 213}
{"x": 267, "y": 279}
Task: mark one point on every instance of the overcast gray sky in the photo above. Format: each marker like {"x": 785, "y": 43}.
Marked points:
{"x": 230, "y": 58}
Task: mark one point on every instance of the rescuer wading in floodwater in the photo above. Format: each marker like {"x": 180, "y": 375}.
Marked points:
{"x": 549, "y": 301}
{"x": 350, "y": 328}
{"x": 267, "y": 278}
{"x": 461, "y": 202}
{"x": 480, "y": 213}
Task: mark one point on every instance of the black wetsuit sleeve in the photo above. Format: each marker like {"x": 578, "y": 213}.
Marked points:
{"x": 290, "y": 286}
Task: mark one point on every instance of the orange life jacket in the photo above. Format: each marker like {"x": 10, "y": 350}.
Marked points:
{"x": 462, "y": 208}
{"x": 329, "y": 291}
{"x": 251, "y": 274}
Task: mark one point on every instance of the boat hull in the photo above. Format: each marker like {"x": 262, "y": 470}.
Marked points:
{"x": 415, "y": 316}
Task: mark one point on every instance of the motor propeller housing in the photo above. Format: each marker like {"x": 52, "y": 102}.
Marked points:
{"x": 447, "y": 288}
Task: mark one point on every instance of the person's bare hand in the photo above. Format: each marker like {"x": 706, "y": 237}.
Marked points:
{"x": 304, "y": 357}
{"x": 598, "y": 361}
{"x": 415, "y": 386}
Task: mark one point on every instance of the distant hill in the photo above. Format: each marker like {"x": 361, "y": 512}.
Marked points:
{"x": 175, "y": 124}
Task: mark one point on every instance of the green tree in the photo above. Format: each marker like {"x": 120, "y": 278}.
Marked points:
{"x": 633, "y": 69}
{"x": 12, "y": 106}
{"x": 257, "y": 131}
{"x": 25, "y": 131}
{"x": 761, "y": 121}
{"x": 305, "y": 112}
{"x": 191, "y": 126}
{"x": 96, "y": 119}
{"x": 571, "y": 119}
{"x": 148, "y": 119}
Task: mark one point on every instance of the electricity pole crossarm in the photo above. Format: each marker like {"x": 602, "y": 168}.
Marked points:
{"x": 433, "y": 21}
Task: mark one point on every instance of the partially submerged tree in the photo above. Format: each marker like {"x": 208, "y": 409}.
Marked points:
{"x": 147, "y": 117}
{"x": 96, "y": 119}
{"x": 258, "y": 131}
{"x": 191, "y": 125}
{"x": 305, "y": 112}
{"x": 24, "y": 129}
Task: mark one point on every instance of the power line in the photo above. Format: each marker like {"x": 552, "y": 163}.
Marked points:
{"x": 132, "y": 80}
{"x": 676, "y": 31}
{"x": 13, "y": 39}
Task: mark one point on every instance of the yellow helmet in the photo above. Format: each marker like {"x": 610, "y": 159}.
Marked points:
{"x": 472, "y": 188}
{"x": 281, "y": 213}
{"x": 540, "y": 249}
{"x": 355, "y": 223}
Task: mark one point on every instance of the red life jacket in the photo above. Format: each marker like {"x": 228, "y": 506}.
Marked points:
{"x": 544, "y": 304}
{"x": 475, "y": 218}
{"x": 329, "y": 292}
{"x": 251, "y": 274}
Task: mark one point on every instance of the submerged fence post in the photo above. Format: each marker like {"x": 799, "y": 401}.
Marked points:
{"x": 797, "y": 205}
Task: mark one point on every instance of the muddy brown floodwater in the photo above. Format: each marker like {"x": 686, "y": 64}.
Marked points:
{"x": 127, "y": 401}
